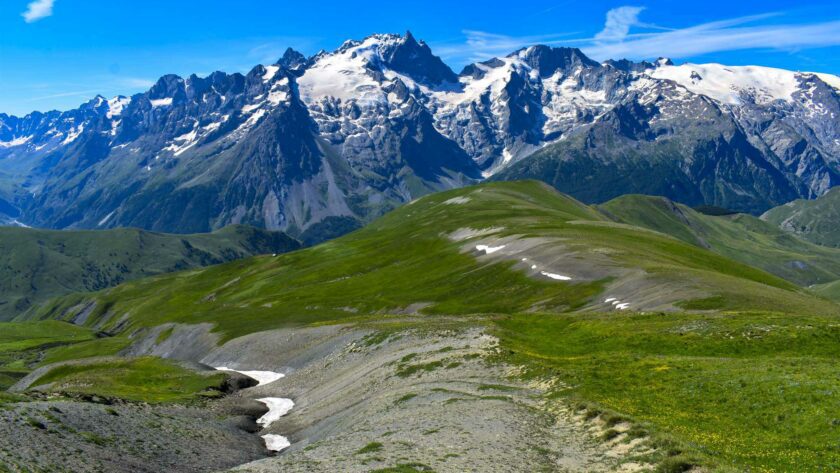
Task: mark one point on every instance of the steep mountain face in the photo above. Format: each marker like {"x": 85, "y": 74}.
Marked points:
{"x": 746, "y": 138}
{"x": 315, "y": 146}
{"x": 266, "y": 148}
{"x": 662, "y": 143}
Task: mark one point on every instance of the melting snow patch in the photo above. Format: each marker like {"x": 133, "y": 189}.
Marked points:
{"x": 489, "y": 249}
{"x": 250, "y": 108}
{"x": 161, "y": 102}
{"x": 262, "y": 377}
{"x": 116, "y": 105}
{"x": 107, "y": 217}
{"x": 277, "y": 408}
{"x": 211, "y": 127}
{"x": 275, "y": 443}
{"x": 277, "y": 96}
{"x": 73, "y": 135}
{"x": 15, "y": 142}
{"x": 559, "y": 277}
{"x": 270, "y": 71}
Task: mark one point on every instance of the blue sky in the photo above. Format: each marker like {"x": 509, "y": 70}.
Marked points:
{"x": 55, "y": 54}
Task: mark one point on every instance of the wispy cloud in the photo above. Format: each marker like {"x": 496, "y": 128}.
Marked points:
{"x": 625, "y": 36}
{"x": 38, "y": 9}
{"x": 619, "y": 21}
{"x": 135, "y": 82}
{"x": 728, "y": 35}
{"x": 77, "y": 93}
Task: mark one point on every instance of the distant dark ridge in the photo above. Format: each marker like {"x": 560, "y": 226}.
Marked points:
{"x": 714, "y": 210}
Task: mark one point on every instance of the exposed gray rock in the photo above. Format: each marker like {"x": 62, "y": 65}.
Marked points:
{"x": 316, "y": 146}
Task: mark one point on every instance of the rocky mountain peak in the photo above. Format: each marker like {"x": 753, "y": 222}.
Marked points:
{"x": 402, "y": 54}
{"x": 292, "y": 59}
{"x": 415, "y": 59}
{"x": 548, "y": 60}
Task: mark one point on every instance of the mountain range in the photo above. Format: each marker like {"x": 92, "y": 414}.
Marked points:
{"x": 316, "y": 146}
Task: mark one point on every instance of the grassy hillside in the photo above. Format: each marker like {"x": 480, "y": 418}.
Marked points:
{"x": 36, "y": 265}
{"x": 21, "y": 345}
{"x": 144, "y": 379}
{"x": 752, "y": 392}
{"x": 740, "y": 237}
{"x": 829, "y": 290}
{"x": 816, "y": 220}
{"x": 724, "y": 364}
{"x": 424, "y": 258}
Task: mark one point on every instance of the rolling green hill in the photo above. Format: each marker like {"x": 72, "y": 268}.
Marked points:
{"x": 829, "y": 290}
{"x": 737, "y": 236}
{"x": 427, "y": 257}
{"x": 815, "y": 220}
{"x": 718, "y": 363}
{"x": 36, "y": 265}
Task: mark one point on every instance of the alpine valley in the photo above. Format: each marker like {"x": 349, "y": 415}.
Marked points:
{"x": 361, "y": 261}
{"x": 318, "y": 146}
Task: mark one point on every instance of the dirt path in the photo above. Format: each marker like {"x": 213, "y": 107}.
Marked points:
{"x": 428, "y": 399}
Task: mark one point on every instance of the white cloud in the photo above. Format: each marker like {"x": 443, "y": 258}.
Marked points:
{"x": 619, "y": 21}
{"x": 135, "y": 82}
{"x": 727, "y": 35}
{"x": 38, "y": 9}
{"x": 78, "y": 93}
{"x": 616, "y": 41}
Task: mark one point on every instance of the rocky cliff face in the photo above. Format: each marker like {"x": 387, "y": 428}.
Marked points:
{"x": 320, "y": 144}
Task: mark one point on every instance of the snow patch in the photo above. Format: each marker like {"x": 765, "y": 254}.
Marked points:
{"x": 262, "y": 377}
{"x": 105, "y": 220}
{"x": 277, "y": 408}
{"x": 165, "y": 102}
{"x": 344, "y": 75}
{"x": 15, "y": 141}
{"x": 270, "y": 72}
{"x": 489, "y": 249}
{"x": 251, "y": 107}
{"x": 116, "y": 106}
{"x": 726, "y": 84}
{"x": 187, "y": 141}
{"x": 73, "y": 134}
{"x": 558, "y": 277}
{"x": 829, "y": 79}
{"x": 275, "y": 442}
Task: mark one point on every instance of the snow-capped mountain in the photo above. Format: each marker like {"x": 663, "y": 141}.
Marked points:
{"x": 316, "y": 145}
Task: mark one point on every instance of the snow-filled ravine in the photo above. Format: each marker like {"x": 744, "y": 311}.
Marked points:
{"x": 277, "y": 407}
